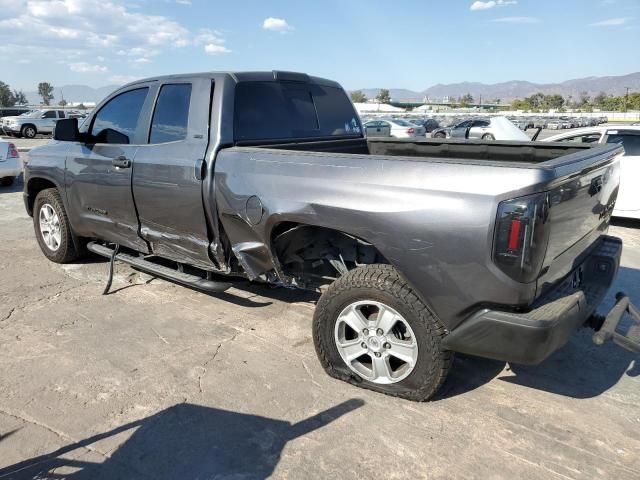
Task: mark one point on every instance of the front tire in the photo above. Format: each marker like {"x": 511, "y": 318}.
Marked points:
{"x": 439, "y": 135}
{"x": 28, "y": 131}
{"x": 488, "y": 136}
{"x": 7, "y": 181}
{"x": 52, "y": 227}
{"x": 370, "y": 329}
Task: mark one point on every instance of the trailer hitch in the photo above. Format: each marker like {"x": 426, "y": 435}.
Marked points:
{"x": 609, "y": 329}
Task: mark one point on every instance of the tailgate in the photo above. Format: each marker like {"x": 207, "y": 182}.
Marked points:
{"x": 581, "y": 201}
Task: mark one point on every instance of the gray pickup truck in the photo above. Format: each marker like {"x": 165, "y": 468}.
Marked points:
{"x": 420, "y": 248}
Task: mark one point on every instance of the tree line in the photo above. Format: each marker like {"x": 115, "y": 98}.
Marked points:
{"x": 538, "y": 102}
{"x": 11, "y": 98}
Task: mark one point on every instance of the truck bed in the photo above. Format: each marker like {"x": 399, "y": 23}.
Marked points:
{"x": 440, "y": 196}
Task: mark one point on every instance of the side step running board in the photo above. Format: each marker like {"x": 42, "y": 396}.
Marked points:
{"x": 187, "y": 279}
{"x": 629, "y": 340}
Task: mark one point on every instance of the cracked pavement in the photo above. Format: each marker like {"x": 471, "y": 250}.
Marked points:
{"x": 159, "y": 381}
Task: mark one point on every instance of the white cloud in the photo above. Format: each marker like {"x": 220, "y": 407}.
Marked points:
{"x": 213, "y": 49}
{"x": 212, "y": 41}
{"x": 184, "y": 2}
{"x": 516, "y": 20}
{"x": 478, "y": 5}
{"x": 612, "y": 22}
{"x": 276, "y": 25}
{"x": 84, "y": 67}
{"x": 80, "y": 31}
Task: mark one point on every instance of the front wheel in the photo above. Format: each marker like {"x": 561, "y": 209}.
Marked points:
{"x": 370, "y": 329}
{"x": 52, "y": 227}
{"x": 439, "y": 135}
{"x": 28, "y": 131}
{"x": 488, "y": 136}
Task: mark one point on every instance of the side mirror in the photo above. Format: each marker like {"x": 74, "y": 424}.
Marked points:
{"x": 66, "y": 130}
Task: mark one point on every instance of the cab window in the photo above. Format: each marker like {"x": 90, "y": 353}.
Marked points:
{"x": 117, "y": 120}
{"x": 171, "y": 116}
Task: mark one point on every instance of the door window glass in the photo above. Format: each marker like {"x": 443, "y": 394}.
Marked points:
{"x": 49, "y": 114}
{"x": 117, "y": 120}
{"x": 631, "y": 143}
{"x": 171, "y": 116}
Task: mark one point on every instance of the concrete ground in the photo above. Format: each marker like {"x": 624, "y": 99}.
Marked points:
{"x": 158, "y": 381}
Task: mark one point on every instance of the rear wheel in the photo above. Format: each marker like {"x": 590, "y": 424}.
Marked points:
{"x": 52, "y": 227}
{"x": 28, "y": 131}
{"x": 488, "y": 136}
{"x": 370, "y": 329}
{"x": 6, "y": 181}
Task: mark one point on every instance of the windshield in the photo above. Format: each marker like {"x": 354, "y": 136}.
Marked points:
{"x": 31, "y": 113}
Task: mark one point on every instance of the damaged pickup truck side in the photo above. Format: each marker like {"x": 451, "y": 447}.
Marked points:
{"x": 420, "y": 248}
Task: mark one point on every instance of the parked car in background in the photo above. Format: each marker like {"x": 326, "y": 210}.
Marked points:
{"x": 12, "y": 111}
{"x": 555, "y": 124}
{"x": 493, "y": 128}
{"x": 401, "y": 128}
{"x": 10, "y": 163}
{"x": 377, "y": 128}
{"x": 429, "y": 124}
{"x": 32, "y": 123}
{"x": 628, "y": 203}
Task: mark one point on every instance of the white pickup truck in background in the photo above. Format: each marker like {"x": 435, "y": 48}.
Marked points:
{"x": 32, "y": 123}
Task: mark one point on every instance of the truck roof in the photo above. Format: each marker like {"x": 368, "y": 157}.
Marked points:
{"x": 257, "y": 76}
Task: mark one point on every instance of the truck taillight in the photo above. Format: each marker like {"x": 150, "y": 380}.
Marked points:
{"x": 521, "y": 236}
{"x": 410, "y": 131}
{"x": 13, "y": 151}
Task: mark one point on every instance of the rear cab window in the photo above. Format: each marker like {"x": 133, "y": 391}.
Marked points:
{"x": 270, "y": 110}
{"x": 171, "y": 115}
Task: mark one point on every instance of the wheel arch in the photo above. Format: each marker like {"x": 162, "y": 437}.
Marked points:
{"x": 33, "y": 187}
{"x": 306, "y": 253}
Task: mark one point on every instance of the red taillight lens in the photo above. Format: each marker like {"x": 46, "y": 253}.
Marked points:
{"x": 521, "y": 236}
{"x": 514, "y": 235}
{"x": 13, "y": 151}
{"x": 410, "y": 131}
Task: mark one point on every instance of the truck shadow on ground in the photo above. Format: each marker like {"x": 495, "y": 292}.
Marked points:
{"x": 184, "y": 442}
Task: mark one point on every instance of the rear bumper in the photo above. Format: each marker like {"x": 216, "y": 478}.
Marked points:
{"x": 531, "y": 337}
{"x": 11, "y": 167}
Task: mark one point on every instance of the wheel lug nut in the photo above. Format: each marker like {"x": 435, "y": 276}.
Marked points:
{"x": 365, "y": 331}
{"x": 378, "y": 354}
{"x": 363, "y": 345}
{"x": 379, "y": 331}
{"x": 387, "y": 345}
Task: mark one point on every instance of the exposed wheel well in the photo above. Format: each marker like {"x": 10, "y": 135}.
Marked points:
{"x": 35, "y": 186}
{"x": 310, "y": 256}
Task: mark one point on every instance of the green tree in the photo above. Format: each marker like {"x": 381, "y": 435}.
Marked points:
{"x": 383, "y": 96}
{"x": 19, "y": 97}
{"x": 62, "y": 103}
{"x": 358, "y": 97}
{"x": 599, "y": 100}
{"x": 519, "y": 104}
{"x": 584, "y": 99}
{"x": 82, "y": 107}
{"x": 536, "y": 100}
{"x": 6, "y": 97}
{"x": 553, "y": 101}
{"x": 45, "y": 90}
{"x": 466, "y": 100}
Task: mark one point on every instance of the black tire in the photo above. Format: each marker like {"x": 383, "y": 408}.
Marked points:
{"x": 488, "y": 136}
{"x": 439, "y": 135}
{"x": 68, "y": 250}
{"x": 28, "y": 131}
{"x": 381, "y": 283}
{"x": 7, "y": 181}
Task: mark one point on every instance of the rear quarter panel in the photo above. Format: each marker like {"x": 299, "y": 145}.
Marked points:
{"x": 433, "y": 220}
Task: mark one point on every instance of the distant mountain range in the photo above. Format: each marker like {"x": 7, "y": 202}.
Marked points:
{"x": 74, "y": 93}
{"x": 507, "y": 91}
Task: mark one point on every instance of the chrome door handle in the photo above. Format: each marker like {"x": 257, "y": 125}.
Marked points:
{"x": 121, "y": 162}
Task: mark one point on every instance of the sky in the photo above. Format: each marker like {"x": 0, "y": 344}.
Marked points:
{"x": 410, "y": 44}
